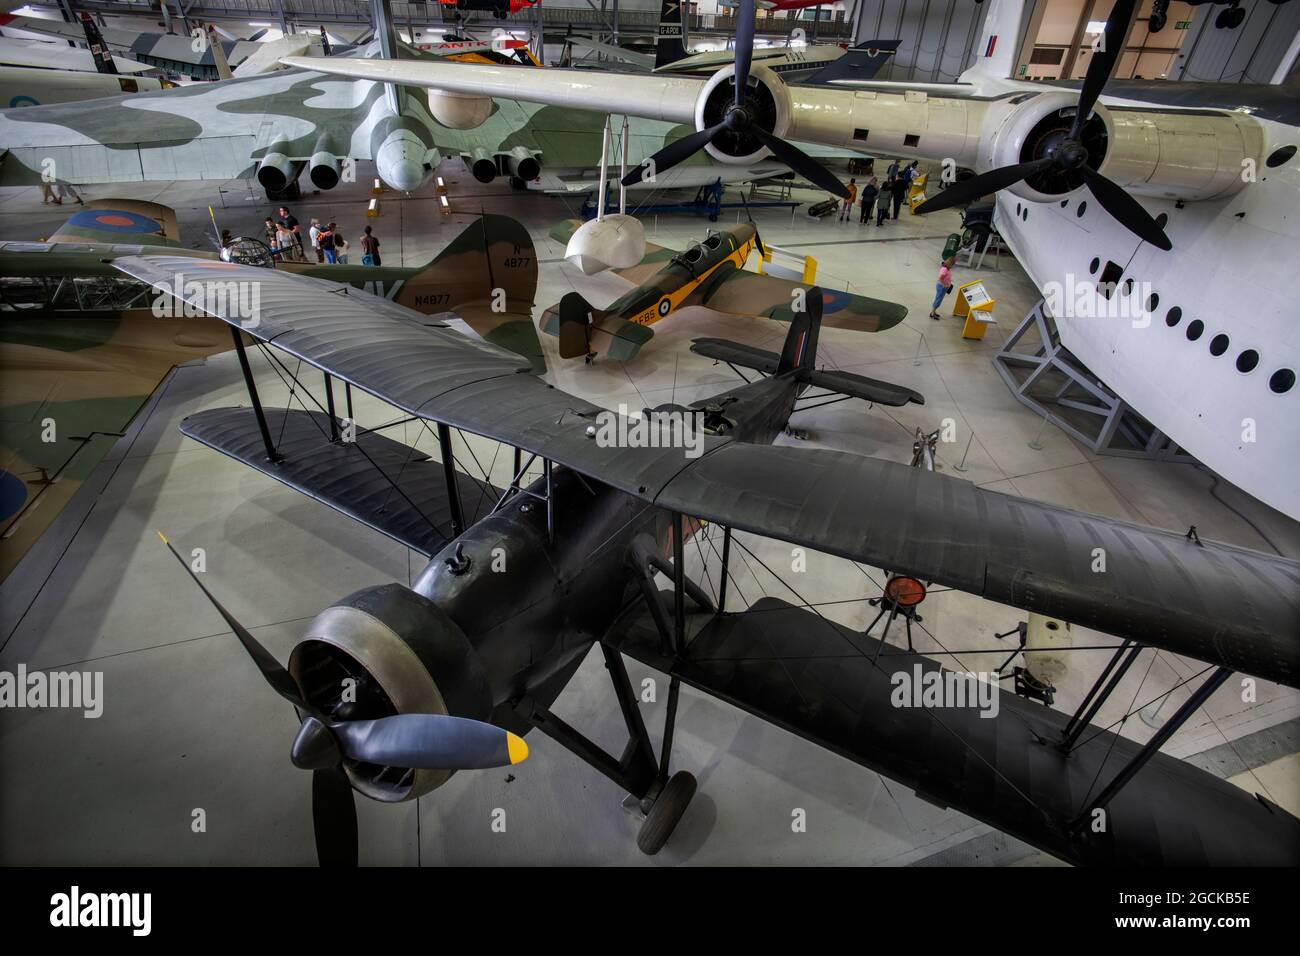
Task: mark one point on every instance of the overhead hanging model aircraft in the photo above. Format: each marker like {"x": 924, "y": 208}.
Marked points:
{"x": 1178, "y": 204}
{"x": 498, "y": 8}
{"x": 32, "y": 73}
{"x": 479, "y": 640}
{"x": 711, "y": 274}
{"x": 807, "y": 63}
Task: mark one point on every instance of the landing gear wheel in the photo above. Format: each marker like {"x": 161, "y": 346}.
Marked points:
{"x": 666, "y": 812}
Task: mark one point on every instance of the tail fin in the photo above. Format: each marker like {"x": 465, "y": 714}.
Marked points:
{"x": 800, "y": 349}
{"x": 998, "y": 47}
{"x": 670, "y": 42}
{"x": 95, "y": 42}
{"x": 218, "y": 52}
{"x": 575, "y": 326}
{"x": 861, "y": 62}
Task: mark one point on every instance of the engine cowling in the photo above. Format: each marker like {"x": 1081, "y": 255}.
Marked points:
{"x": 1173, "y": 154}
{"x": 769, "y": 103}
{"x": 387, "y": 650}
{"x": 324, "y": 169}
{"x": 459, "y": 110}
{"x": 276, "y": 170}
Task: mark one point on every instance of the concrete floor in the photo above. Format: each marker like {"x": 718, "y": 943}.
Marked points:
{"x": 187, "y": 724}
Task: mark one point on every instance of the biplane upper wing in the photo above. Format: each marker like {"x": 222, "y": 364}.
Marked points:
{"x": 1221, "y": 604}
{"x": 754, "y": 294}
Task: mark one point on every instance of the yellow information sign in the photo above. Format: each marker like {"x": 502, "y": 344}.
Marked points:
{"x": 974, "y": 303}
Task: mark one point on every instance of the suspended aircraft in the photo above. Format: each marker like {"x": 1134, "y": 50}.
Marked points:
{"x": 377, "y": 674}
{"x": 710, "y": 273}
{"x": 1166, "y": 196}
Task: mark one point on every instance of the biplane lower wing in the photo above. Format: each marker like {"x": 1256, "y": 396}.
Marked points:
{"x": 1220, "y": 604}
{"x": 823, "y": 682}
{"x": 385, "y": 484}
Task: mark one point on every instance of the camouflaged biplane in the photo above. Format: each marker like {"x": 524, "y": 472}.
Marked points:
{"x": 82, "y": 349}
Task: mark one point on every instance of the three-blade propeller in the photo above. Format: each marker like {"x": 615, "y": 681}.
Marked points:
{"x": 415, "y": 741}
{"x": 739, "y": 119}
{"x": 1069, "y": 155}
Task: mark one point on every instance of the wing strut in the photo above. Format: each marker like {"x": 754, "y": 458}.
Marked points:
{"x": 271, "y": 454}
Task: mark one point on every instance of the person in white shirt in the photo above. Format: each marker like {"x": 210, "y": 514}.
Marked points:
{"x": 314, "y": 232}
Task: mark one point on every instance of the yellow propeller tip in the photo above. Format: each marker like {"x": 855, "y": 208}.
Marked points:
{"x": 516, "y": 748}
{"x": 163, "y": 538}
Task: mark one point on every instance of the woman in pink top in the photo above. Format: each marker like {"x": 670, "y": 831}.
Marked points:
{"x": 942, "y": 287}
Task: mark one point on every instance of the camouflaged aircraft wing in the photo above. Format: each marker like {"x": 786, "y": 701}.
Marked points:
{"x": 1224, "y": 605}
{"x": 754, "y": 294}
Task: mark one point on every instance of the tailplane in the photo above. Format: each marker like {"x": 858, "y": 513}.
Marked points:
{"x": 670, "y": 41}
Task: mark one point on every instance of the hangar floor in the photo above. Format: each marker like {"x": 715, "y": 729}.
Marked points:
{"x": 187, "y": 724}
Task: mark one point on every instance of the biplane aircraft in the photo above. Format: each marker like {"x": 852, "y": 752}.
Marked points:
{"x": 587, "y": 539}
{"x": 81, "y": 345}
{"x": 710, "y": 273}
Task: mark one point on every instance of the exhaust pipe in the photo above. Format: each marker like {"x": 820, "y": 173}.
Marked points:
{"x": 482, "y": 165}
{"x": 276, "y": 170}
{"x": 325, "y": 166}
{"x": 522, "y": 163}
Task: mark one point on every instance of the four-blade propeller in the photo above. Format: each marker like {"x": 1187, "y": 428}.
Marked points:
{"x": 415, "y": 741}
{"x": 739, "y": 120}
{"x": 1069, "y": 155}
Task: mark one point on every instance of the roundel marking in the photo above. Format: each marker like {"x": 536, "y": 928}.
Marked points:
{"x": 665, "y": 306}
{"x": 113, "y": 221}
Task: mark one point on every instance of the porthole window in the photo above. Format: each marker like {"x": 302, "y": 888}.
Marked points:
{"x": 1094, "y": 265}
{"x": 1153, "y": 301}
{"x": 1025, "y": 214}
{"x": 1194, "y": 329}
{"x": 1218, "y": 345}
{"x": 1083, "y": 207}
{"x": 1065, "y": 203}
{"x": 1017, "y": 209}
{"x": 1247, "y": 361}
{"x": 1174, "y": 316}
{"x": 1279, "y": 156}
{"x": 1282, "y": 380}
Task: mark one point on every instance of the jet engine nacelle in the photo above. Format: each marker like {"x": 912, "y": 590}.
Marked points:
{"x": 771, "y": 107}
{"x": 324, "y": 169}
{"x": 523, "y": 162}
{"x": 276, "y": 170}
{"x": 459, "y": 110}
{"x": 386, "y": 650}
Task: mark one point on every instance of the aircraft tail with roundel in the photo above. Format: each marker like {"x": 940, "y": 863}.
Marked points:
{"x": 998, "y": 47}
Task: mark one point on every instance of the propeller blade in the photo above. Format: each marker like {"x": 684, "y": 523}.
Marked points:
{"x": 1126, "y": 210}
{"x": 429, "y": 742}
{"x": 672, "y": 154}
{"x": 333, "y": 817}
{"x": 802, "y": 163}
{"x": 983, "y": 184}
{"x": 744, "y": 47}
{"x": 1103, "y": 61}
{"x": 279, "y": 678}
